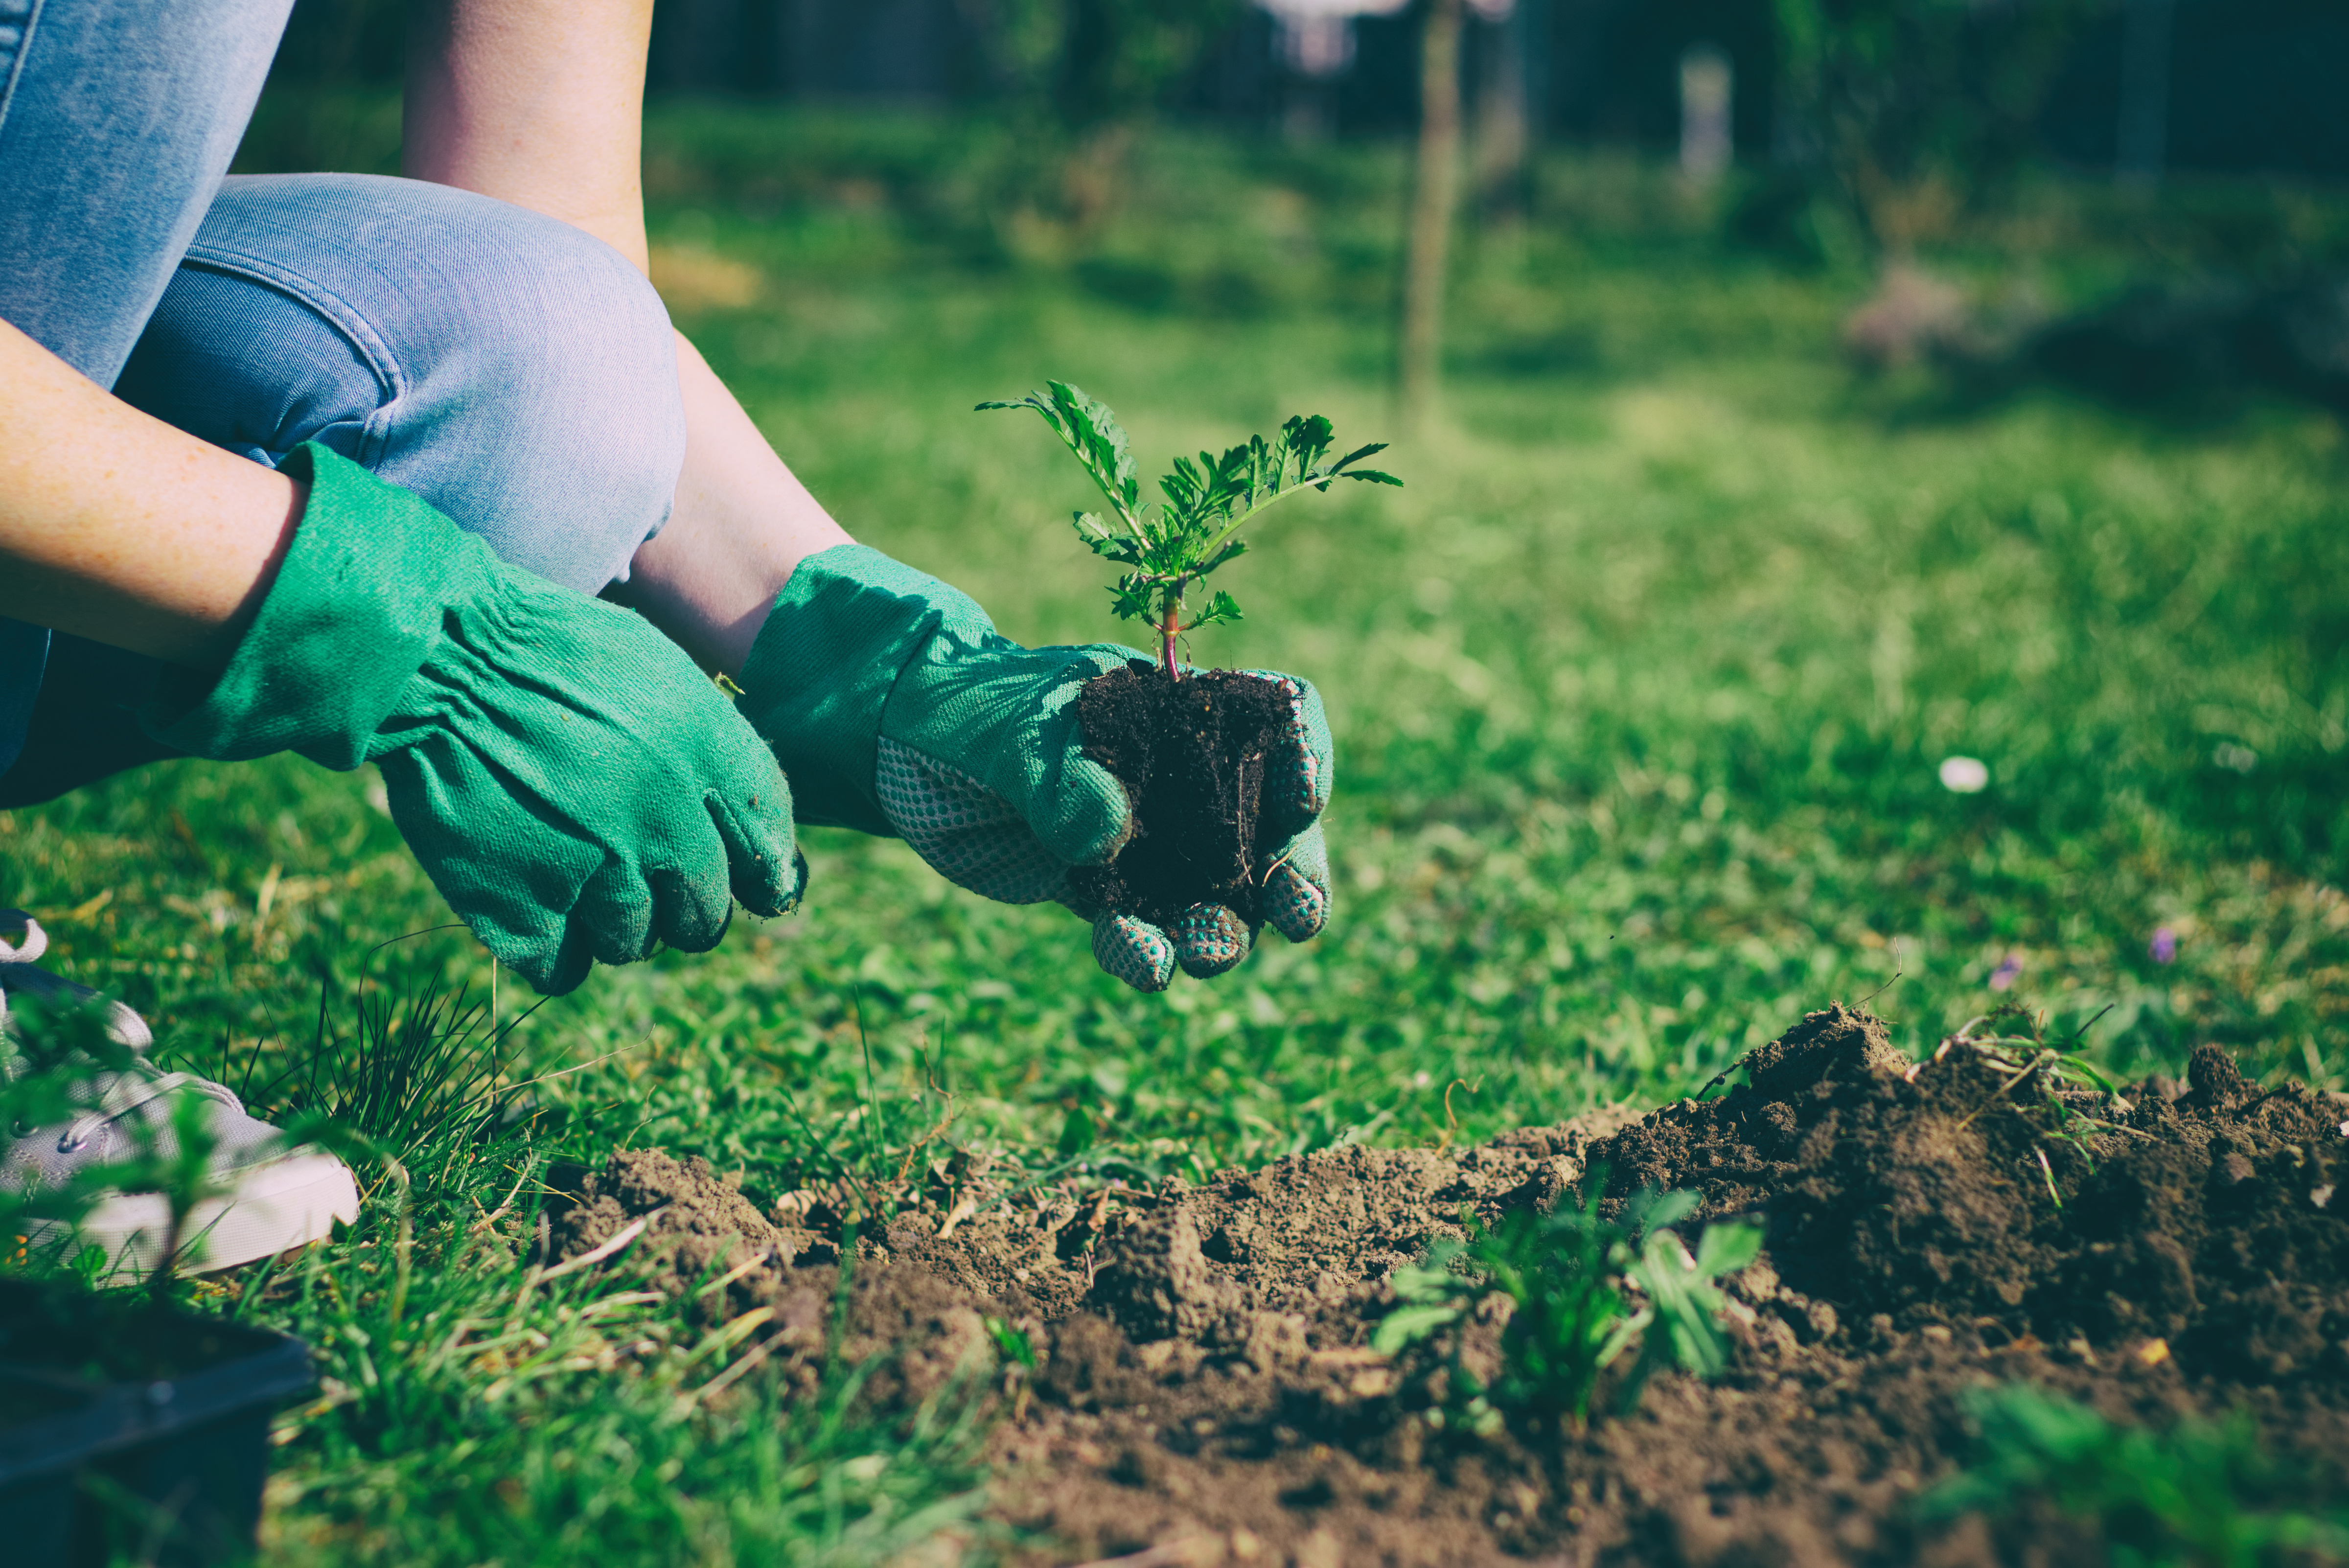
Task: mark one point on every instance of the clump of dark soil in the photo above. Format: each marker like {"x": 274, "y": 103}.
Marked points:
{"x": 2203, "y": 1218}
{"x": 1191, "y": 753}
{"x": 1205, "y": 1390}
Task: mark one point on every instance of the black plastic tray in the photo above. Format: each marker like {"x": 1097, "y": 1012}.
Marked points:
{"x": 166, "y": 1469}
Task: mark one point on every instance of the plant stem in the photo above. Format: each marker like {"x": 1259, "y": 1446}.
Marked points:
{"x": 158, "y": 1284}
{"x": 1169, "y": 623}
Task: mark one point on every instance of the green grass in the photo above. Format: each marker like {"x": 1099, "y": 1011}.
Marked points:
{"x": 1639, "y": 690}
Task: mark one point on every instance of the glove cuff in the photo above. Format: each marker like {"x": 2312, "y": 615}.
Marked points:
{"x": 354, "y": 610}
{"x": 821, "y": 671}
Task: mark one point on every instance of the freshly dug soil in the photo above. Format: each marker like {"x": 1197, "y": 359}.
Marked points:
{"x": 1205, "y": 1391}
{"x": 2205, "y": 1217}
{"x": 1191, "y": 753}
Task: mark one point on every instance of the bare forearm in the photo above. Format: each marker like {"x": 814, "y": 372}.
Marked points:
{"x": 536, "y": 103}
{"x": 117, "y": 527}
{"x": 741, "y": 525}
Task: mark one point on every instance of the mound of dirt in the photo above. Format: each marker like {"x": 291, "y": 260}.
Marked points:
{"x": 1205, "y": 1389}
{"x": 1950, "y": 1194}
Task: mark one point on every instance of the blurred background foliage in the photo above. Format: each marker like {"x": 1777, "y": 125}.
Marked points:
{"x": 1849, "y": 92}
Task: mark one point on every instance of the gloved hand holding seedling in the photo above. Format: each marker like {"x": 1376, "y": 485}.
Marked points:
{"x": 1228, "y": 770}
{"x": 1177, "y": 810}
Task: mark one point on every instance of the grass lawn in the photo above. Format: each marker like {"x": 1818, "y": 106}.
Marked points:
{"x": 1640, "y": 689}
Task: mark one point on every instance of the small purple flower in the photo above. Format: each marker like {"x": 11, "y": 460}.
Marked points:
{"x": 2010, "y": 968}
{"x": 2164, "y": 946}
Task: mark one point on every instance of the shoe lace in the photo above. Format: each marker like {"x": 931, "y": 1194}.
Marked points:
{"x": 127, "y": 1092}
{"x": 28, "y": 947}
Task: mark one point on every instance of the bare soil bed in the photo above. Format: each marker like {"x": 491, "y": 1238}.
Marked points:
{"x": 1205, "y": 1391}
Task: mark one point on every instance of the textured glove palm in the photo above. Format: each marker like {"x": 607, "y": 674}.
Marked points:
{"x": 896, "y": 707}
{"x": 574, "y": 786}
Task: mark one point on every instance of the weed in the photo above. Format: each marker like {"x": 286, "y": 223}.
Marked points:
{"x": 880, "y": 1174}
{"x": 1198, "y": 528}
{"x": 2023, "y": 1052}
{"x": 1013, "y": 1343}
{"x": 1581, "y": 1290}
{"x": 2024, "y": 1048}
{"x": 2201, "y": 1493}
{"x": 415, "y": 1060}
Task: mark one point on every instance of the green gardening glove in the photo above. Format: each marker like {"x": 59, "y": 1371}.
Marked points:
{"x": 896, "y": 707}
{"x": 574, "y": 786}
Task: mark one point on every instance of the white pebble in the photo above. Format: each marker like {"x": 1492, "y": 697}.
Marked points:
{"x": 1964, "y": 775}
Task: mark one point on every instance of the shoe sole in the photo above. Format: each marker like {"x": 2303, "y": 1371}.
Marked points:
{"x": 284, "y": 1204}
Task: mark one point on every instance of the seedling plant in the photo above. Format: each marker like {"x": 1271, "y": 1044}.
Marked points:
{"x": 1581, "y": 1290}
{"x": 1172, "y": 545}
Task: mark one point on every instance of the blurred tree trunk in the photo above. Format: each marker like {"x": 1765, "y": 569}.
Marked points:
{"x": 1501, "y": 129}
{"x": 1434, "y": 195}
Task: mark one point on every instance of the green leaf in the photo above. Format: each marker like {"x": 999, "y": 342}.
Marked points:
{"x": 2074, "y": 1064}
{"x": 1410, "y": 1325}
{"x": 1431, "y": 1283}
{"x": 1651, "y": 1211}
{"x": 1093, "y": 433}
{"x": 1012, "y": 1343}
{"x": 1237, "y": 547}
{"x": 1725, "y": 1249}
{"x": 1626, "y": 1333}
{"x": 1090, "y": 430}
{"x": 1077, "y": 1134}
{"x": 1220, "y": 609}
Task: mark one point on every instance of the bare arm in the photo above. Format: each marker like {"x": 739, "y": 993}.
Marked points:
{"x": 536, "y": 103}
{"x": 539, "y": 103}
{"x": 742, "y": 522}
{"x": 117, "y": 527}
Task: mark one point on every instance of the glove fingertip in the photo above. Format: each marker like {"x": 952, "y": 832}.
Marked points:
{"x": 1134, "y": 950}
{"x": 689, "y": 915}
{"x": 1210, "y": 939}
{"x": 1298, "y": 793}
{"x": 766, "y": 872}
{"x": 1294, "y": 905}
{"x": 553, "y": 973}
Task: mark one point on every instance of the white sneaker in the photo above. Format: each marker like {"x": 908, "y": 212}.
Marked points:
{"x": 277, "y": 1200}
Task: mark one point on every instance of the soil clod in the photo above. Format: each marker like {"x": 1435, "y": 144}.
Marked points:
{"x": 1192, "y": 756}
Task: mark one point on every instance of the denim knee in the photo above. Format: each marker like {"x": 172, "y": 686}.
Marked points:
{"x": 514, "y": 372}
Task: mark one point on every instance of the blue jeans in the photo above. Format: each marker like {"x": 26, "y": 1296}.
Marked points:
{"x": 516, "y": 373}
